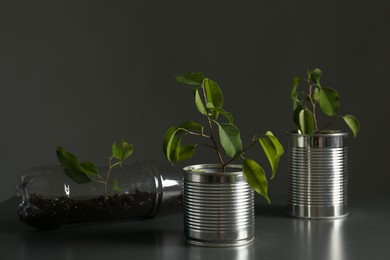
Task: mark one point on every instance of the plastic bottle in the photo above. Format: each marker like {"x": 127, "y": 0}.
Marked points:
{"x": 47, "y": 198}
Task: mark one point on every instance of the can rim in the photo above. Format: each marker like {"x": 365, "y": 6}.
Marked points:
{"x": 323, "y": 133}
{"x": 213, "y": 173}
{"x": 213, "y": 168}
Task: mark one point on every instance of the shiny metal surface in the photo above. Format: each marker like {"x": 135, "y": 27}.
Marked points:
{"x": 318, "y": 175}
{"x": 218, "y": 206}
{"x": 327, "y": 139}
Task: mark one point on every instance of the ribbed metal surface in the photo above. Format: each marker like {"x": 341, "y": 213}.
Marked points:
{"x": 318, "y": 176}
{"x": 218, "y": 207}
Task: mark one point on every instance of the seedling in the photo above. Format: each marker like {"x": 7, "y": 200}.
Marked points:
{"x": 85, "y": 172}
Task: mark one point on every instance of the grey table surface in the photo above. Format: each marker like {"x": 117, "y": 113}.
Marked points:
{"x": 364, "y": 234}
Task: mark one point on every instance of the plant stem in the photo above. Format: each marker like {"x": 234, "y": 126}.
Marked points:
{"x": 214, "y": 142}
{"x": 212, "y": 131}
{"x": 327, "y": 124}
{"x": 197, "y": 134}
{"x": 207, "y": 145}
{"x": 313, "y": 104}
{"x": 254, "y": 141}
{"x": 101, "y": 180}
{"x": 110, "y": 166}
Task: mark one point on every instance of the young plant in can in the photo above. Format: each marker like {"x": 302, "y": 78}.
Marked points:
{"x": 317, "y": 97}
{"x": 219, "y": 133}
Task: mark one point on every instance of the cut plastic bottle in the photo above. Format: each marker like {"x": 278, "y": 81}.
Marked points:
{"x": 47, "y": 198}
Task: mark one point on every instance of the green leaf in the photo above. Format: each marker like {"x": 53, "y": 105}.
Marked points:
{"x": 116, "y": 151}
{"x": 127, "y": 150}
{"x": 183, "y": 152}
{"x": 122, "y": 151}
{"x": 198, "y": 102}
{"x": 213, "y": 93}
{"x": 329, "y": 101}
{"x": 115, "y": 185}
{"x": 255, "y": 176}
{"x": 72, "y": 166}
{"x": 191, "y": 78}
{"x": 316, "y": 94}
{"x": 309, "y": 74}
{"x": 352, "y": 123}
{"x": 89, "y": 168}
{"x": 191, "y": 126}
{"x": 230, "y": 139}
{"x": 221, "y": 111}
{"x": 306, "y": 121}
{"x": 212, "y": 110}
{"x": 210, "y": 105}
{"x": 172, "y": 152}
{"x": 294, "y": 92}
{"x": 169, "y": 143}
{"x": 272, "y": 149}
{"x": 297, "y": 110}
{"x": 277, "y": 144}
{"x": 316, "y": 75}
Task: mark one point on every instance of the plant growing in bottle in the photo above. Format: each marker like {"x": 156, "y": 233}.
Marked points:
{"x": 48, "y": 198}
{"x": 316, "y": 97}
{"x": 219, "y": 133}
{"x": 85, "y": 172}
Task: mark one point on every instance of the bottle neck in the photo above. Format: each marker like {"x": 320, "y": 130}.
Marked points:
{"x": 169, "y": 190}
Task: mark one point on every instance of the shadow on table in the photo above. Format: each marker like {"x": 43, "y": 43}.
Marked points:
{"x": 96, "y": 236}
{"x": 9, "y": 222}
{"x": 246, "y": 252}
{"x": 146, "y": 231}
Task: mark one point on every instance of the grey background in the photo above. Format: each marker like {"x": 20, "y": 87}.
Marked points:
{"x": 82, "y": 74}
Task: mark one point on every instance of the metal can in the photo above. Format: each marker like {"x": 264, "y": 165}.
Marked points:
{"x": 218, "y": 206}
{"x": 318, "y": 175}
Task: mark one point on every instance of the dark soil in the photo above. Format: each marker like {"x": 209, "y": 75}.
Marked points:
{"x": 46, "y": 213}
